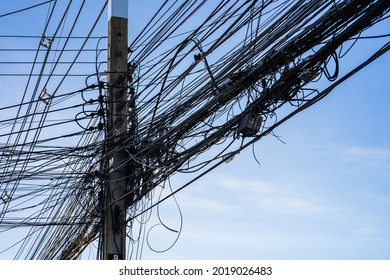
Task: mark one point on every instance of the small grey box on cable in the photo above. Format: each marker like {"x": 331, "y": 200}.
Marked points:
{"x": 250, "y": 124}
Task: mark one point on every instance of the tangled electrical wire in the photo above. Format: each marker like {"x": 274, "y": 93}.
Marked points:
{"x": 196, "y": 97}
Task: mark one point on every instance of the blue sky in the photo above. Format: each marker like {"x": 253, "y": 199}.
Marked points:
{"x": 322, "y": 194}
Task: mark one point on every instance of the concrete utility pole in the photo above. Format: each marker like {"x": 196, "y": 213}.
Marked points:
{"x": 114, "y": 227}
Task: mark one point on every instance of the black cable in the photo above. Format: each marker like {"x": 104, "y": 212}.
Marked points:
{"x": 25, "y": 9}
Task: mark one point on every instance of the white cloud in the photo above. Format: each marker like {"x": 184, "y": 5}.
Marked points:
{"x": 310, "y": 202}
{"x": 368, "y": 155}
{"x": 224, "y": 193}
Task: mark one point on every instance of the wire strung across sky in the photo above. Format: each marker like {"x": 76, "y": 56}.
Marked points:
{"x": 207, "y": 80}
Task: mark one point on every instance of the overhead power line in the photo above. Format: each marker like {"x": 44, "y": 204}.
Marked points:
{"x": 203, "y": 81}
{"x": 25, "y": 9}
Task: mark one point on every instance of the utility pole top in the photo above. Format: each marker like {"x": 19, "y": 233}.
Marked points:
{"x": 118, "y": 8}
